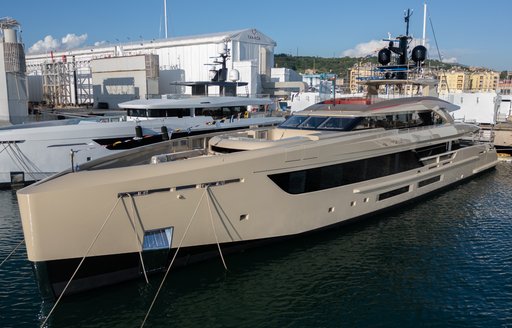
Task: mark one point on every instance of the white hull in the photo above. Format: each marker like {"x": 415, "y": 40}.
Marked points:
{"x": 37, "y": 152}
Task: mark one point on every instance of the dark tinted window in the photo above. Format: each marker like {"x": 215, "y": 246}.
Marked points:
{"x": 293, "y": 121}
{"x": 313, "y": 122}
{"x": 338, "y": 123}
{"x": 332, "y": 176}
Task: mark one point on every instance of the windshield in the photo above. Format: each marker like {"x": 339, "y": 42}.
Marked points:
{"x": 294, "y": 121}
{"x": 320, "y": 122}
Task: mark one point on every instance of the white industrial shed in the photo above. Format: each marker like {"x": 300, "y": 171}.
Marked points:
{"x": 64, "y": 77}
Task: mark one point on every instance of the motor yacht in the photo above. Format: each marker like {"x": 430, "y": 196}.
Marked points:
{"x": 128, "y": 214}
{"x": 173, "y": 203}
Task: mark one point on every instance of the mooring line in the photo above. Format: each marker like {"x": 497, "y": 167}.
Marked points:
{"x": 81, "y": 261}
{"x": 12, "y": 252}
{"x": 138, "y": 238}
{"x": 213, "y": 227}
{"x": 172, "y": 261}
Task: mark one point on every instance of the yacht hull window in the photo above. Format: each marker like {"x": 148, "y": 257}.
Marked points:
{"x": 393, "y": 193}
{"x": 332, "y": 176}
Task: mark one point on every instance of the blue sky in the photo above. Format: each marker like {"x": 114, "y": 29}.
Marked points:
{"x": 471, "y": 32}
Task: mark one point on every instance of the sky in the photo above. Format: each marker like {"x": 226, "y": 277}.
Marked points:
{"x": 470, "y": 32}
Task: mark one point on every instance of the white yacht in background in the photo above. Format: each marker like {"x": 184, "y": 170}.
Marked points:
{"x": 34, "y": 151}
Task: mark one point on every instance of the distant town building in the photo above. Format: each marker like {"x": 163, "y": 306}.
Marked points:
{"x": 453, "y": 81}
{"x": 357, "y": 72}
{"x": 484, "y": 81}
{"x": 467, "y": 81}
{"x": 505, "y": 87}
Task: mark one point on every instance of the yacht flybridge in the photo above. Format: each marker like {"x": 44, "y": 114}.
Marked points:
{"x": 321, "y": 167}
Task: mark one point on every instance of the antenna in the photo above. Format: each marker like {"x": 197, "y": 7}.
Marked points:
{"x": 424, "y": 23}
{"x": 406, "y": 18}
{"x": 165, "y": 18}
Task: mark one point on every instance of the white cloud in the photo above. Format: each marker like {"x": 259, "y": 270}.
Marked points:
{"x": 49, "y": 43}
{"x": 369, "y": 48}
{"x": 44, "y": 45}
{"x": 71, "y": 41}
{"x": 100, "y": 43}
{"x": 451, "y": 60}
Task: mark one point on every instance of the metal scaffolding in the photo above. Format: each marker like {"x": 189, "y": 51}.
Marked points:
{"x": 65, "y": 83}
{"x": 56, "y": 84}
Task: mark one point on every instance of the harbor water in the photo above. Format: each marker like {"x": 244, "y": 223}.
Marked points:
{"x": 444, "y": 261}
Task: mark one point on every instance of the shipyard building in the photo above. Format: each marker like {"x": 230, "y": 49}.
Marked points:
{"x": 103, "y": 76}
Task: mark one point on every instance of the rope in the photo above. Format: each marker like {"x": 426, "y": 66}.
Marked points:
{"x": 19, "y": 158}
{"x": 5, "y": 147}
{"x": 22, "y": 160}
{"x": 15, "y": 158}
{"x": 138, "y": 238}
{"x": 19, "y": 161}
{"x": 213, "y": 227}
{"x": 173, "y": 258}
{"x": 438, "y": 52}
{"x": 28, "y": 160}
{"x": 12, "y": 252}
{"x": 81, "y": 261}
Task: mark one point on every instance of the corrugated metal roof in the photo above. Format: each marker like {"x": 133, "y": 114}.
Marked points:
{"x": 246, "y": 35}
